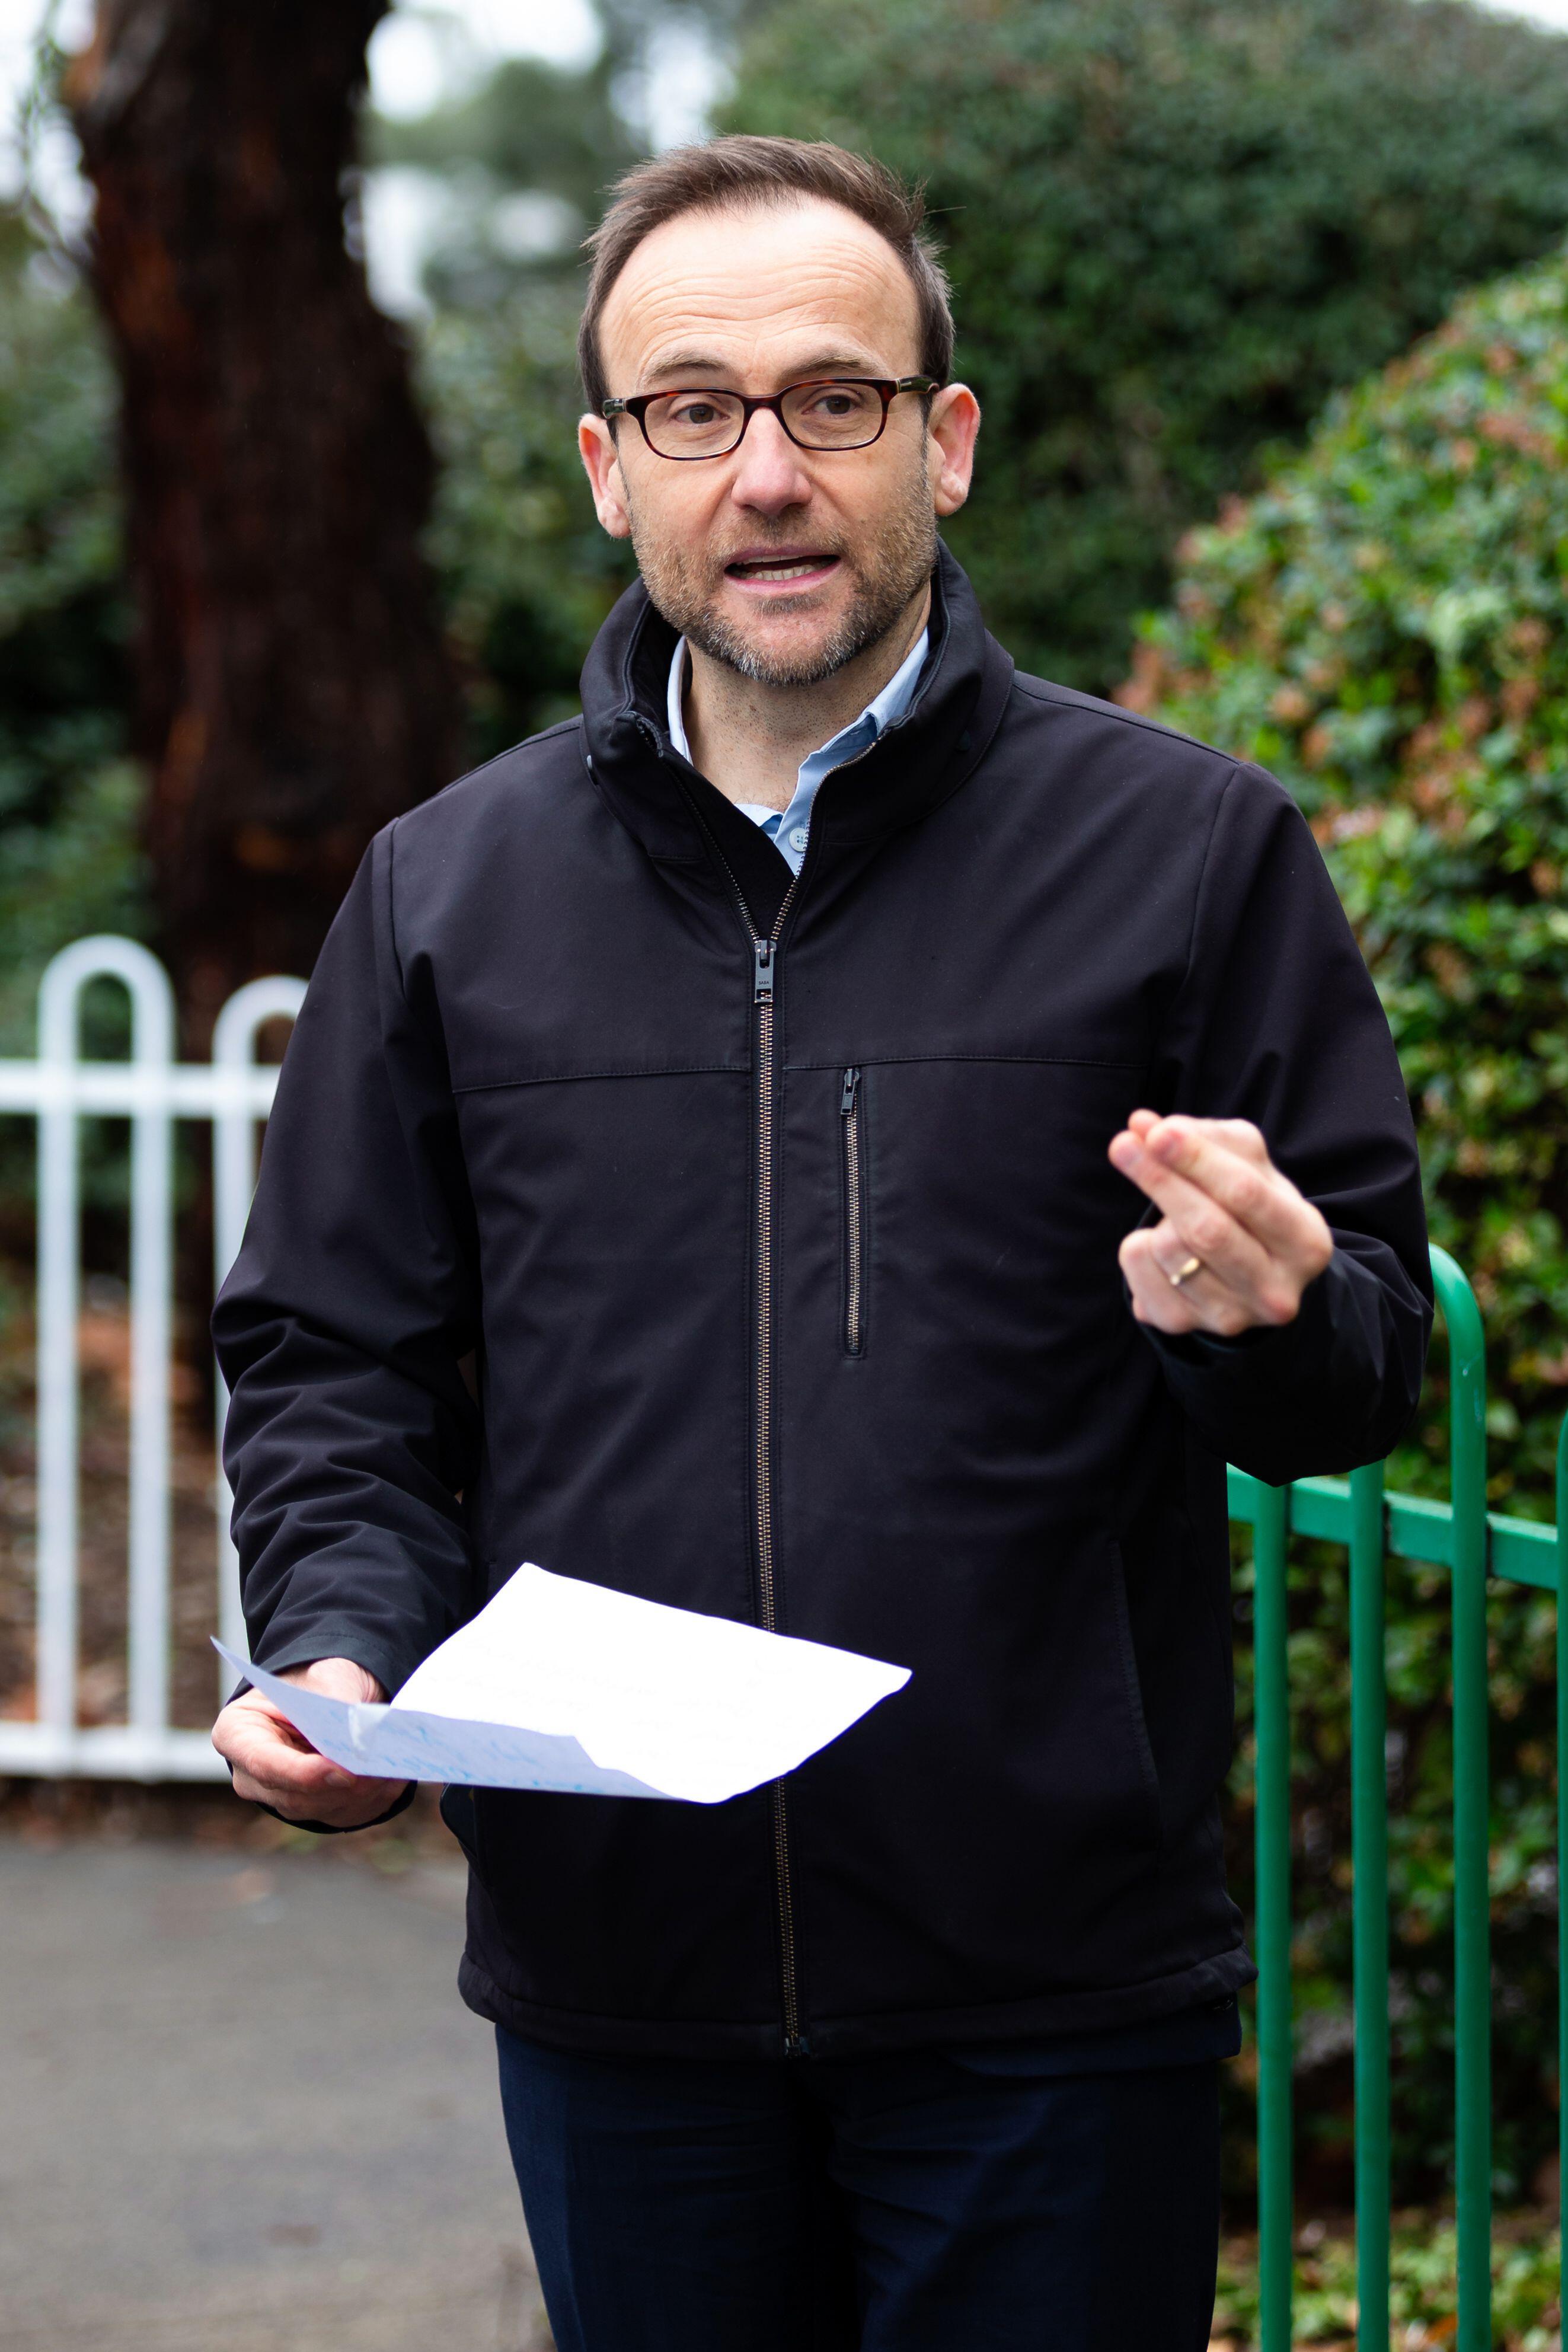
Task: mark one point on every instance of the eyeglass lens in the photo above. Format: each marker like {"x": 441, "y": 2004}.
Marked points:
{"x": 818, "y": 415}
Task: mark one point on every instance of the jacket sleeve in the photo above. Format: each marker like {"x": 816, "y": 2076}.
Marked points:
{"x": 1276, "y": 1021}
{"x": 341, "y": 1329}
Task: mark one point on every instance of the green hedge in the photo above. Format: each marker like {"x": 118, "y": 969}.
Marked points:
{"x": 1174, "y": 227}
{"x": 1385, "y": 626}
{"x": 69, "y": 800}
{"x": 524, "y": 575}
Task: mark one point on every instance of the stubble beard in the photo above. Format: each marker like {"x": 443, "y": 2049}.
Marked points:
{"x": 885, "y": 580}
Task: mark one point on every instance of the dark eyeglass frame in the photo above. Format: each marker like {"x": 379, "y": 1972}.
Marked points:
{"x": 887, "y": 387}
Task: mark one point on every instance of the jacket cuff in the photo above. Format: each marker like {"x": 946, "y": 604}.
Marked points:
{"x": 1313, "y": 1396}
{"x": 1275, "y": 1348}
{"x": 339, "y": 1638}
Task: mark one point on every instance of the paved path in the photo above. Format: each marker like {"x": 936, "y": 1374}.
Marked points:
{"x": 242, "y": 2108}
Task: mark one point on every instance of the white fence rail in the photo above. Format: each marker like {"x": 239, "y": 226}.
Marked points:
{"x": 232, "y": 1092}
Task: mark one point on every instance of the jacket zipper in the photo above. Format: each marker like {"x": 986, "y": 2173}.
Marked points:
{"x": 854, "y": 1213}
{"x": 765, "y": 953}
{"x": 765, "y": 960}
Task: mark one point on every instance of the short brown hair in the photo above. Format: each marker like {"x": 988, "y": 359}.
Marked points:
{"x": 742, "y": 172}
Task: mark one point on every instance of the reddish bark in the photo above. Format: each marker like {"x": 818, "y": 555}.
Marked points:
{"x": 293, "y": 692}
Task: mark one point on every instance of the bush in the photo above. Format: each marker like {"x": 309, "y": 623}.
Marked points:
{"x": 1385, "y": 626}
{"x": 1422, "y": 2298}
{"x": 69, "y": 807}
{"x": 525, "y": 575}
{"x": 1174, "y": 227}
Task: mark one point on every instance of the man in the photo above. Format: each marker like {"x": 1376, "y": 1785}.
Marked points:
{"x": 879, "y": 1132}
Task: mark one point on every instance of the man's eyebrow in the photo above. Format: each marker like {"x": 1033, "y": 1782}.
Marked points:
{"x": 699, "y": 368}
{"x": 691, "y": 367}
{"x": 833, "y": 363}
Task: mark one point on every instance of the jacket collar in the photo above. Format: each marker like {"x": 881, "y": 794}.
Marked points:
{"x": 914, "y": 765}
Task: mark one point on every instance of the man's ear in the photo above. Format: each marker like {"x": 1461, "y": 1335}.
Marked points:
{"x": 601, "y": 464}
{"x": 955, "y": 421}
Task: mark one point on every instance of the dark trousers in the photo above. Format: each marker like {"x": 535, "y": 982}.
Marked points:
{"x": 947, "y": 2200}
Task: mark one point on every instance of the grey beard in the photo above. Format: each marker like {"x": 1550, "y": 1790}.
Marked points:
{"x": 902, "y": 563}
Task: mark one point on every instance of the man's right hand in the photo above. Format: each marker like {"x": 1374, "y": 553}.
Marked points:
{"x": 275, "y": 1765}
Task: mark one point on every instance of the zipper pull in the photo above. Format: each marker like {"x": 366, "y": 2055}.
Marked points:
{"x": 847, "y": 1099}
{"x": 763, "y": 994}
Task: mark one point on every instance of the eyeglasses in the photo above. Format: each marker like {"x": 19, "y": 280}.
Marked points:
{"x": 842, "y": 411}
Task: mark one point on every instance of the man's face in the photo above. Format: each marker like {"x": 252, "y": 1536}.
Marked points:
{"x": 782, "y": 562}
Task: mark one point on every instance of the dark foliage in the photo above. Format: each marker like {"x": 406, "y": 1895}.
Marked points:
{"x": 1385, "y": 626}
{"x": 67, "y": 797}
{"x": 525, "y": 574}
{"x": 1173, "y": 227}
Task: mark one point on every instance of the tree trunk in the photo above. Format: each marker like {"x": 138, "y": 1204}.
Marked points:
{"x": 292, "y": 689}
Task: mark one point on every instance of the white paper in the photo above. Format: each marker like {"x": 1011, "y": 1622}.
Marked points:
{"x": 561, "y": 1685}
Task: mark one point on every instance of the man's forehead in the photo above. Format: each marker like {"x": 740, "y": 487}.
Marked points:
{"x": 774, "y": 288}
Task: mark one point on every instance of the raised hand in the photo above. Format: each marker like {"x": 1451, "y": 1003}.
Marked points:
{"x": 1237, "y": 1244}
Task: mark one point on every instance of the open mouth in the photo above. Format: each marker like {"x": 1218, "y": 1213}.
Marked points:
{"x": 781, "y": 570}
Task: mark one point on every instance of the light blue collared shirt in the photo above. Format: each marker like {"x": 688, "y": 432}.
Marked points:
{"x": 788, "y": 832}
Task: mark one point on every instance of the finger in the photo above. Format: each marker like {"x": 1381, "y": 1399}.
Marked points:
{"x": 1201, "y": 1228}
{"x": 363, "y": 1801}
{"x": 263, "y": 1744}
{"x": 305, "y": 1785}
{"x": 1236, "y": 1135}
{"x": 253, "y": 1717}
{"x": 289, "y": 1771}
{"x": 299, "y": 1805}
{"x": 1241, "y": 1219}
{"x": 1250, "y": 1188}
{"x": 1153, "y": 1301}
{"x": 1239, "y": 1133}
{"x": 1162, "y": 1257}
{"x": 1203, "y": 1303}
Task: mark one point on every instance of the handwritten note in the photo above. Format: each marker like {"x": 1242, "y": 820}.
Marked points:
{"x": 561, "y": 1685}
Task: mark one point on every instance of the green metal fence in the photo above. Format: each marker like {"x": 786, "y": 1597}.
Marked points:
{"x": 1472, "y": 1543}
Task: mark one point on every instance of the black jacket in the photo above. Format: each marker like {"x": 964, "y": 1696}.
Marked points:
{"x": 779, "y": 1280}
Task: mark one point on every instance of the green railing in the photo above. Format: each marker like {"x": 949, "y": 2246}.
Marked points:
{"x": 1473, "y": 1543}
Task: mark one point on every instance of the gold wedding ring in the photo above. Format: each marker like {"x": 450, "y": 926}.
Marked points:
{"x": 1185, "y": 1273}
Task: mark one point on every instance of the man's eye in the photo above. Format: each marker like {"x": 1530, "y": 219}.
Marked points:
{"x": 696, "y": 413}
{"x": 835, "y": 403}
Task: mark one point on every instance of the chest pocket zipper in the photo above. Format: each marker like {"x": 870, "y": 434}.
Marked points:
{"x": 852, "y": 1122}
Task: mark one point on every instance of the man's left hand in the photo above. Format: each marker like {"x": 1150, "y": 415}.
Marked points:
{"x": 1237, "y": 1244}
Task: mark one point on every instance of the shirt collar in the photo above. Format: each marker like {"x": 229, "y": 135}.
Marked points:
{"x": 685, "y": 823}
{"x": 882, "y": 712}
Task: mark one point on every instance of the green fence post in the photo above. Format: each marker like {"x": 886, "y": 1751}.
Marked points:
{"x": 1472, "y": 1895}
{"x": 1561, "y": 1852}
{"x": 1271, "y": 1804}
{"x": 1369, "y": 1847}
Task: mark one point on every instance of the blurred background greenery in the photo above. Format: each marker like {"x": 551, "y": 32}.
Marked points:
{"x": 1266, "y": 307}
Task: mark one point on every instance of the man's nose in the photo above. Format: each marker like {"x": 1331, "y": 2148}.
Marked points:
{"x": 769, "y": 475}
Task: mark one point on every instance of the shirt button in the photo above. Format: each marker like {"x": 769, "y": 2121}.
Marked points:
{"x": 798, "y": 836}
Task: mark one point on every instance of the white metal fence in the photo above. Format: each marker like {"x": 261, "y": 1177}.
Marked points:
{"x": 232, "y": 1092}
